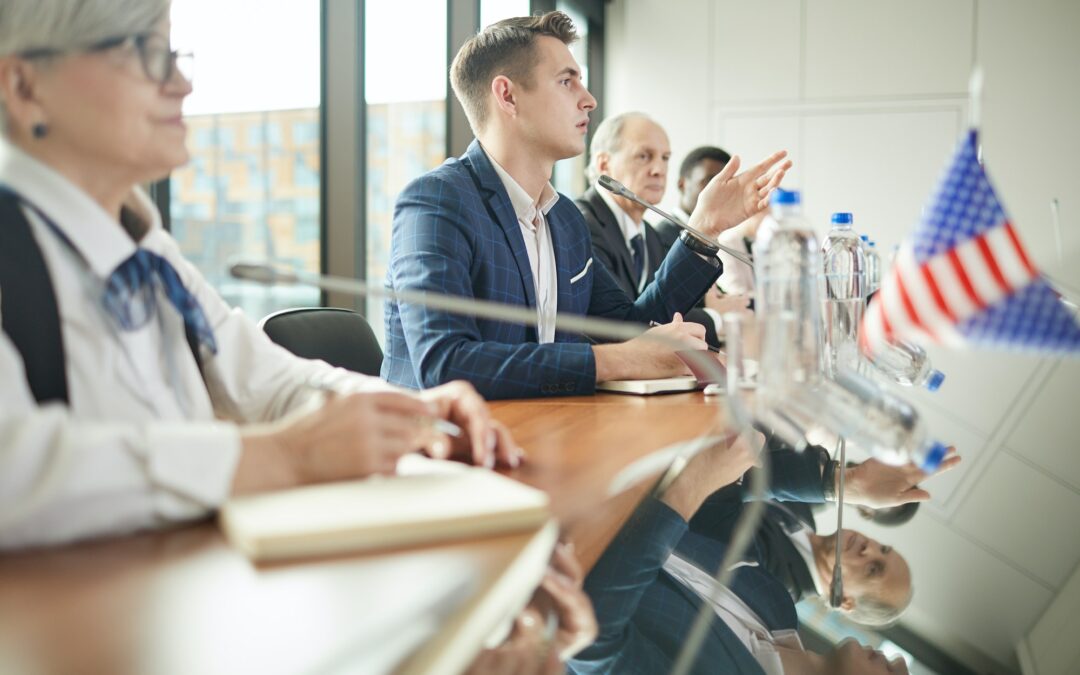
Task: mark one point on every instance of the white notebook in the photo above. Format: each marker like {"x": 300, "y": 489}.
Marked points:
{"x": 665, "y": 385}
{"x": 438, "y": 502}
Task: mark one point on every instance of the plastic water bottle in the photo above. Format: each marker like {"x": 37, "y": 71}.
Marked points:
{"x": 788, "y": 270}
{"x": 884, "y": 424}
{"x": 908, "y": 365}
{"x": 873, "y": 265}
{"x": 845, "y": 294}
{"x": 792, "y": 395}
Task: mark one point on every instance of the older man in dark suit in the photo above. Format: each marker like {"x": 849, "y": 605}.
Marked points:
{"x": 634, "y": 150}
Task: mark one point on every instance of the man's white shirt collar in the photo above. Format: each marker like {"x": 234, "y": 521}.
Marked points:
{"x": 800, "y": 539}
{"x": 524, "y": 206}
{"x": 96, "y": 235}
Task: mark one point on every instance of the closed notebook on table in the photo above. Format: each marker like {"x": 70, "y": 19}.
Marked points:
{"x": 665, "y": 385}
{"x": 433, "y": 502}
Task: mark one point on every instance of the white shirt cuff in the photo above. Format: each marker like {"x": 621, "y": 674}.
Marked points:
{"x": 192, "y": 465}
{"x": 718, "y": 321}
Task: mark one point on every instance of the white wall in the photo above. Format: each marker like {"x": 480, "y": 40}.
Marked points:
{"x": 1051, "y": 648}
{"x": 870, "y": 97}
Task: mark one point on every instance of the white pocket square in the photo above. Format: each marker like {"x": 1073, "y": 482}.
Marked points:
{"x": 585, "y": 270}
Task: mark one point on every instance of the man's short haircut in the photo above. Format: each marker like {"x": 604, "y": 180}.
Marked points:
{"x": 608, "y": 138}
{"x": 506, "y": 48}
{"x": 895, "y": 515}
{"x": 699, "y": 155}
{"x": 872, "y": 611}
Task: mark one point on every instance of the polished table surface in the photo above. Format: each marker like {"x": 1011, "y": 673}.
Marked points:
{"x": 183, "y": 601}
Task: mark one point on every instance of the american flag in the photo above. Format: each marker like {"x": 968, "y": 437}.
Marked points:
{"x": 964, "y": 277}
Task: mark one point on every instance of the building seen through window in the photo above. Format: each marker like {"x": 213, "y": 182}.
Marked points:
{"x": 252, "y": 187}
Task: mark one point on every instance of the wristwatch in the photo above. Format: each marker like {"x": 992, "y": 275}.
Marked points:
{"x": 697, "y": 245}
{"x": 828, "y": 478}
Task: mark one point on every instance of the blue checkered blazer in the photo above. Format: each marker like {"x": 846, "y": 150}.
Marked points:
{"x": 644, "y": 615}
{"x": 455, "y": 232}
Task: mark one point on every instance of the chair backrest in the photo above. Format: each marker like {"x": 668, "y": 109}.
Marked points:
{"x": 341, "y": 337}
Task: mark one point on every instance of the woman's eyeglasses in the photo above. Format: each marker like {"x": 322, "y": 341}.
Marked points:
{"x": 158, "y": 61}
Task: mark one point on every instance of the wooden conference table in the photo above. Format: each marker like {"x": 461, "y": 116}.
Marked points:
{"x": 182, "y": 601}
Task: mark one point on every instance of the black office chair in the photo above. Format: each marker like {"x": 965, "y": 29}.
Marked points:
{"x": 341, "y": 337}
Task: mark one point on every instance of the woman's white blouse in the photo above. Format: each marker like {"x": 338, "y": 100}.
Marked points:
{"x": 144, "y": 443}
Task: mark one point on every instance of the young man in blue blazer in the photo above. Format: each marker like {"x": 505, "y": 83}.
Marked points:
{"x": 489, "y": 225}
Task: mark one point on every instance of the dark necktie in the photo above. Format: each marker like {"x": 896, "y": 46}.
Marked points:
{"x": 637, "y": 250}
{"x": 130, "y": 299}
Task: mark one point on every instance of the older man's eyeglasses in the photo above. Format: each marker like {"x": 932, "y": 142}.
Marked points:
{"x": 158, "y": 61}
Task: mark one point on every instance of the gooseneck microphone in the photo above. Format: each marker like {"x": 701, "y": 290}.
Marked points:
{"x": 836, "y": 588}
{"x": 620, "y": 190}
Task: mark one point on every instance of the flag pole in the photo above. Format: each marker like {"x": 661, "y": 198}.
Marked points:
{"x": 975, "y": 91}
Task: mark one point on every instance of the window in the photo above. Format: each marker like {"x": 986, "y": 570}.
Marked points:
{"x": 405, "y": 91}
{"x": 569, "y": 174}
{"x": 497, "y": 10}
{"x": 251, "y": 188}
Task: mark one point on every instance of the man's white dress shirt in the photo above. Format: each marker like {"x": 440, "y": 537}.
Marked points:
{"x": 800, "y": 539}
{"x": 532, "y": 217}
{"x": 736, "y": 614}
{"x": 144, "y": 442}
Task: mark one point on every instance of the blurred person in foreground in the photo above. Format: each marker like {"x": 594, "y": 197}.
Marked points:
{"x": 131, "y": 395}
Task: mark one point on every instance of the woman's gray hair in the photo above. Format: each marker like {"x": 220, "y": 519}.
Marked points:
{"x": 72, "y": 24}
{"x": 608, "y": 139}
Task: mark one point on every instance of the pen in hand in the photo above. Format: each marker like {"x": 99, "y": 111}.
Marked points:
{"x": 437, "y": 423}
{"x": 714, "y": 350}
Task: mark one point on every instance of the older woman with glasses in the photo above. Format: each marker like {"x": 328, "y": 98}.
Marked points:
{"x": 131, "y": 395}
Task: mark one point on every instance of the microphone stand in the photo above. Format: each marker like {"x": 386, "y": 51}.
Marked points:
{"x": 836, "y": 589}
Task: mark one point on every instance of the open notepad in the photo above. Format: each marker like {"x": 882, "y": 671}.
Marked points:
{"x": 431, "y": 502}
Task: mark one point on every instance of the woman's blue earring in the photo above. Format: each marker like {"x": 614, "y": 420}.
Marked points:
{"x": 40, "y": 130}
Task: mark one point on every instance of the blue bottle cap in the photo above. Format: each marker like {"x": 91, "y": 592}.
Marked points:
{"x": 933, "y": 382}
{"x": 864, "y": 238}
{"x": 935, "y": 452}
{"x": 780, "y": 196}
{"x": 842, "y": 219}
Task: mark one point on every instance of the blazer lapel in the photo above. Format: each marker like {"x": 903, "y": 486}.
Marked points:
{"x": 725, "y": 639}
{"x": 614, "y": 235}
{"x": 557, "y": 226}
{"x": 502, "y": 212}
{"x": 656, "y": 252}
